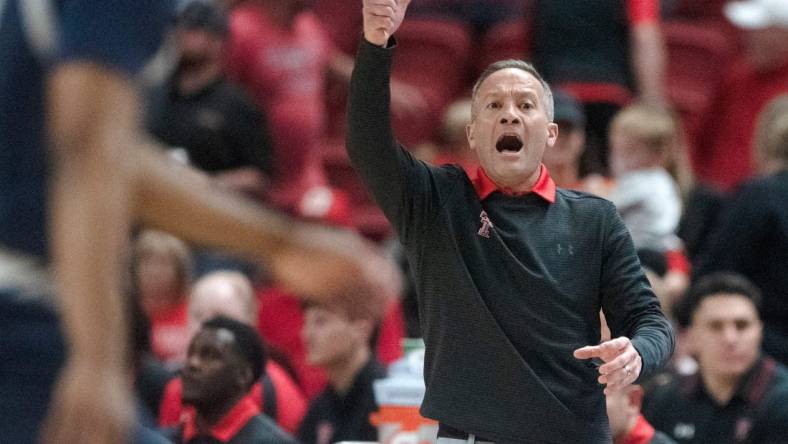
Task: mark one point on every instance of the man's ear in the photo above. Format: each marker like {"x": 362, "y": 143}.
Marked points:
{"x": 469, "y": 134}
{"x": 552, "y": 134}
{"x": 245, "y": 376}
{"x": 365, "y": 328}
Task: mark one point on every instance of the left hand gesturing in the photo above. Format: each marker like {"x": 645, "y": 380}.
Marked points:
{"x": 622, "y": 362}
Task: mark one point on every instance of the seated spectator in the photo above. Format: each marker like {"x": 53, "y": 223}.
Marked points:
{"x": 230, "y": 294}
{"x": 722, "y": 151}
{"x": 645, "y": 194}
{"x": 162, "y": 273}
{"x": 752, "y": 236}
{"x": 738, "y": 394}
{"x": 224, "y": 360}
{"x": 197, "y": 110}
{"x": 340, "y": 342}
{"x": 627, "y": 424}
{"x": 563, "y": 158}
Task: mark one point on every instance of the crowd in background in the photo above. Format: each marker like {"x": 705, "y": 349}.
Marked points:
{"x": 676, "y": 111}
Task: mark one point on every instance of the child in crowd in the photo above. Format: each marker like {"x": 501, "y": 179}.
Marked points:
{"x": 647, "y": 197}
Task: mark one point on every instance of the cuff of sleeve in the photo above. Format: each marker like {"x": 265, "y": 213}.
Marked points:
{"x": 645, "y": 370}
{"x": 390, "y": 44}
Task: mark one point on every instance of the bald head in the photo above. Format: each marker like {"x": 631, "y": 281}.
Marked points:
{"x": 222, "y": 293}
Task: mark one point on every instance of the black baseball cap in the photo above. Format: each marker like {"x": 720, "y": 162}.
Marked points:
{"x": 568, "y": 109}
{"x": 203, "y": 14}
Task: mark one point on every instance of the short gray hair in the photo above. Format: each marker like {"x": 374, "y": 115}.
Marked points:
{"x": 516, "y": 64}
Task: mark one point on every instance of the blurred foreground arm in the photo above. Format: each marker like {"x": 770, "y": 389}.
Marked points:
{"x": 91, "y": 114}
{"x": 105, "y": 177}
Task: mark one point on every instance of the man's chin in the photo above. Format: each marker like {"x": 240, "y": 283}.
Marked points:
{"x": 509, "y": 173}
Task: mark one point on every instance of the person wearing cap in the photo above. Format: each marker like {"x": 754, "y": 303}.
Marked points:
{"x": 511, "y": 271}
{"x": 738, "y": 394}
{"x": 722, "y": 150}
{"x": 198, "y": 110}
{"x": 563, "y": 159}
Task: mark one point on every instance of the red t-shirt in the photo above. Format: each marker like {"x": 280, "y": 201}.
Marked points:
{"x": 722, "y": 152}
{"x": 169, "y": 334}
{"x": 284, "y": 69}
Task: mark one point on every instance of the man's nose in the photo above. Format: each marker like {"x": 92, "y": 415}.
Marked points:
{"x": 730, "y": 335}
{"x": 192, "y": 362}
{"x": 508, "y": 116}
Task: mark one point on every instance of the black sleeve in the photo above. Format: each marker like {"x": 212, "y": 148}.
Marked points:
{"x": 629, "y": 304}
{"x": 251, "y": 136}
{"x": 403, "y": 187}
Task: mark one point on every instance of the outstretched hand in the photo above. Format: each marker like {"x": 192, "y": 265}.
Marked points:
{"x": 382, "y": 18}
{"x": 91, "y": 405}
{"x": 336, "y": 266}
{"x": 622, "y": 362}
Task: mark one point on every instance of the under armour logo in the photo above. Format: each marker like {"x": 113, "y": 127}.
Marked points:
{"x": 570, "y": 249}
{"x": 484, "y": 231}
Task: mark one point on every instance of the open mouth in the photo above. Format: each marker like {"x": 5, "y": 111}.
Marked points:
{"x": 510, "y": 143}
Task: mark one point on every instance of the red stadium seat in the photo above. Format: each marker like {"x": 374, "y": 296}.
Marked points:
{"x": 699, "y": 9}
{"x": 433, "y": 55}
{"x": 365, "y": 215}
{"x": 342, "y": 20}
{"x": 504, "y": 40}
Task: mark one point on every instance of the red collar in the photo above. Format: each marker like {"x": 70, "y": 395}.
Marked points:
{"x": 640, "y": 434}
{"x": 544, "y": 187}
{"x": 228, "y": 426}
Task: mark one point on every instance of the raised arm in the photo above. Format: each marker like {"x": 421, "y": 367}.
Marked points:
{"x": 400, "y": 184}
{"x": 91, "y": 114}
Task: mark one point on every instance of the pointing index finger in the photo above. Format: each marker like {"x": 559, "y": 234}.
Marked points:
{"x": 589, "y": 351}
